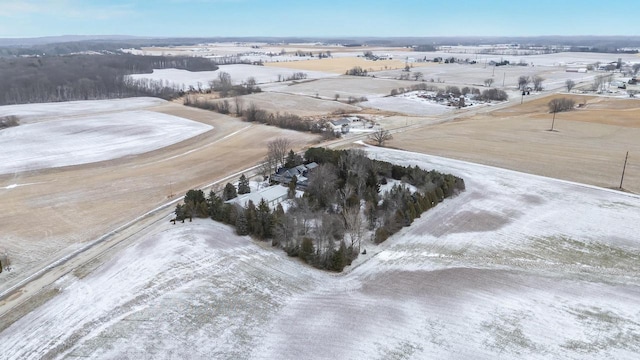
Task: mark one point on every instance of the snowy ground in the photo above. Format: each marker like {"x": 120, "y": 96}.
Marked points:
{"x": 409, "y": 103}
{"x": 517, "y": 266}
{"x": 92, "y": 138}
{"x": 42, "y": 111}
{"x": 239, "y": 74}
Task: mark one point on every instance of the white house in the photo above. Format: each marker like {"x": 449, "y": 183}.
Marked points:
{"x": 340, "y": 126}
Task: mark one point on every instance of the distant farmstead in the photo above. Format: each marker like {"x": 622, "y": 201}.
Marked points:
{"x": 340, "y": 126}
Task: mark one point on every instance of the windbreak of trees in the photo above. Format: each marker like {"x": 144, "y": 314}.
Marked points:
{"x": 485, "y": 95}
{"x": 88, "y": 77}
{"x": 325, "y": 228}
{"x": 252, "y": 113}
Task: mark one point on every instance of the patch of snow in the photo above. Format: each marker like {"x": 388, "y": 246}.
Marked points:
{"x": 91, "y": 138}
{"x": 239, "y": 74}
{"x": 29, "y": 112}
{"x": 517, "y": 266}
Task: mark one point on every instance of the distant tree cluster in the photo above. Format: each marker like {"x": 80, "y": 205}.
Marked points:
{"x": 561, "y": 104}
{"x": 252, "y": 113}
{"x": 88, "y": 77}
{"x": 485, "y": 95}
{"x": 424, "y": 48}
{"x": 224, "y": 86}
{"x": 326, "y": 226}
{"x": 356, "y": 71}
{"x": 295, "y": 76}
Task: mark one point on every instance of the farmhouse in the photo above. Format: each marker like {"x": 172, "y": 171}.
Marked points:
{"x": 340, "y": 126}
{"x": 284, "y": 175}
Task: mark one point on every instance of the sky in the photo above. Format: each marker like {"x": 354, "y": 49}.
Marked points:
{"x": 326, "y": 18}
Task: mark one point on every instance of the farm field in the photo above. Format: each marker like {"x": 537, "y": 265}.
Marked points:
{"x": 29, "y": 113}
{"x": 239, "y": 74}
{"x": 300, "y": 105}
{"x": 343, "y": 86}
{"x": 339, "y": 65}
{"x": 516, "y": 266}
{"x": 91, "y": 139}
{"x": 54, "y": 211}
{"x": 529, "y": 264}
{"x": 589, "y": 145}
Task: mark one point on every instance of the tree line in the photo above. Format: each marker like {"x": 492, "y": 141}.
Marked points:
{"x": 88, "y": 77}
{"x": 484, "y": 95}
{"x": 341, "y": 204}
{"x": 252, "y": 113}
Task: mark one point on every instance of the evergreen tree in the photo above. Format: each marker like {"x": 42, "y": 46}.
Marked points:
{"x": 307, "y": 250}
{"x": 229, "y": 192}
{"x": 242, "y": 227}
{"x": 339, "y": 258}
{"x": 265, "y": 220}
{"x": 290, "y": 160}
{"x": 243, "y": 185}
{"x": 214, "y": 203}
{"x": 179, "y": 212}
{"x": 292, "y": 187}
{"x": 250, "y": 213}
{"x": 195, "y": 204}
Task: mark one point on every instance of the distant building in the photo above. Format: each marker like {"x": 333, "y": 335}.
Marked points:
{"x": 340, "y": 126}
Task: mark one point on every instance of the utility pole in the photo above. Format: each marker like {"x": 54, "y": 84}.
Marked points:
{"x": 623, "y": 168}
{"x": 504, "y": 75}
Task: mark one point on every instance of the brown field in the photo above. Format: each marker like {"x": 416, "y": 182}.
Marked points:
{"x": 65, "y": 207}
{"x": 589, "y": 145}
{"x": 339, "y": 65}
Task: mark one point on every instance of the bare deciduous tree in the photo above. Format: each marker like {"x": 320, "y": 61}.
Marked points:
{"x": 239, "y": 105}
{"x": 523, "y": 81}
{"x": 277, "y": 150}
{"x": 417, "y": 75}
{"x": 570, "y": 84}
{"x": 380, "y": 136}
{"x": 322, "y": 183}
{"x": 636, "y": 68}
{"x": 488, "y": 82}
{"x": 537, "y": 83}
{"x": 354, "y": 225}
{"x": 559, "y": 105}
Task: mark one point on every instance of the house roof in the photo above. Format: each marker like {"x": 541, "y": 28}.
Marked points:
{"x": 340, "y": 122}
{"x": 269, "y": 194}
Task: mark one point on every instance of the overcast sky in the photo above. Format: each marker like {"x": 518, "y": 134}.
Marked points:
{"x": 204, "y": 18}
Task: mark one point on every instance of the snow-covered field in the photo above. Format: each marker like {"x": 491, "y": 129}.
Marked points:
{"x": 517, "y": 266}
{"x": 91, "y": 138}
{"x": 239, "y": 74}
{"x": 408, "y": 103}
{"x": 43, "y": 111}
